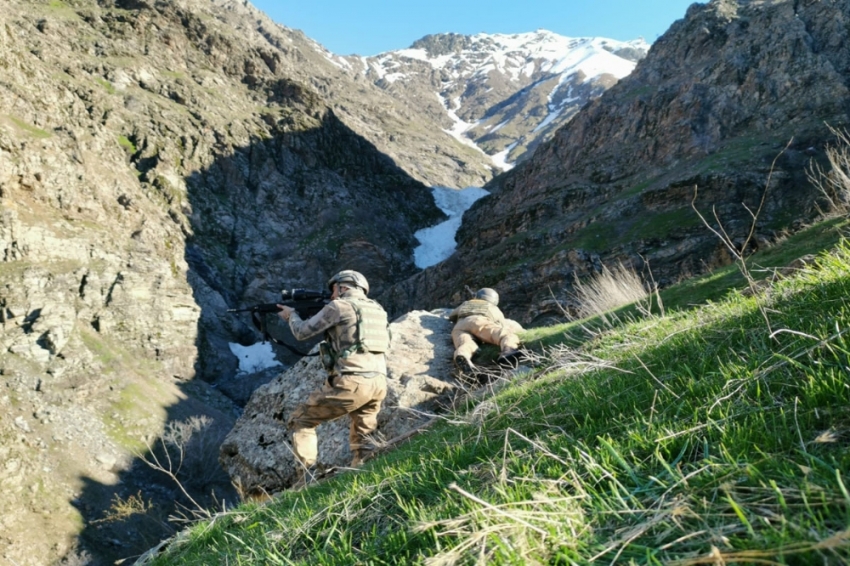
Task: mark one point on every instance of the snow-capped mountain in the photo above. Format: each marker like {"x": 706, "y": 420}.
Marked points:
{"x": 503, "y": 94}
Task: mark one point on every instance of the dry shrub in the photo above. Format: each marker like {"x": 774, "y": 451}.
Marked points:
{"x": 194, "y": 445}
{"x": 187, "y": 452}
{"x": 834, "y": 184}
{"x": 608, "y": 290}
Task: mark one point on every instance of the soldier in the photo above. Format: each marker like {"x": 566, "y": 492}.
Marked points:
{"x": 481, "y": 319}
{"x": 353, "y": 352}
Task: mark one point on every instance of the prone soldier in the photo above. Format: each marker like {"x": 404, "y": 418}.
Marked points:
{"x": 481, "y": 319}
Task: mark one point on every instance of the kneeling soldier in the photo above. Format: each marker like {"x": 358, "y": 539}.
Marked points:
{"x": 354, "y": 354}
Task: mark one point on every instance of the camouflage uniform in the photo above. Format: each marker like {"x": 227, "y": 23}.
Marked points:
{"x": 479, "y": 319}
{"x": 356, "y": 385}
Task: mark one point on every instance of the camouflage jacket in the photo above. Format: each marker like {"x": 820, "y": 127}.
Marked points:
{"x": 477, "y": 307}
{"x": 338, "y": 320}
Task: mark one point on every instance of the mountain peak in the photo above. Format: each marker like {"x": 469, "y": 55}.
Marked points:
{"x": 541, "y": 42}
{"x": 504, "y": 93}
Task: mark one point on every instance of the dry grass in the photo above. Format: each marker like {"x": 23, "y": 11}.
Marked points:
{"x": 608, "y": 290}
{"x": 835, "y": 183}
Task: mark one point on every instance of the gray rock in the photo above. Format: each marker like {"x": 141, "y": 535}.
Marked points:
{"x": 22, "y": 424}
{"x": 257, "y": 454}
{"x": 106, "y": 461}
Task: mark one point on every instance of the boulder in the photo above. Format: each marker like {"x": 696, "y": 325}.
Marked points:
{"x": 257, "y": 453}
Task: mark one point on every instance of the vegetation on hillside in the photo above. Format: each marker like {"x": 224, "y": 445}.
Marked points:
{"x": 703, "y": 424}
{"x": 708, "y": 435}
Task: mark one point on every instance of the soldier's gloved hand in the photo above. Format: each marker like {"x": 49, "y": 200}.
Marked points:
{"x": 285, "y": 312}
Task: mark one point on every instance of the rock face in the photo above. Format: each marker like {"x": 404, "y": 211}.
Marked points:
{"x": 706, "y": 114}
{"x": 257, "y": 454}
{"x": 159, "y": 163}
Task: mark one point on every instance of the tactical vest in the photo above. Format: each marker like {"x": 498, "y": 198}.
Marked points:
{"x": 372, "y": 332}
{"x": 474, "y": 307}
{"x": 373, "y": 329}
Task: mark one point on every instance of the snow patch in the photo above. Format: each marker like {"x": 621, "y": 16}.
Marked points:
{"x": 460, "y": 127}
{"x": 547, "y": 120}
{"x": 438, "y": 242}
{"x": 254, "y": 358}
{"x": 500, "y": 159}
{"x": 500, "y": 126}
{"x": 393, "y": 77}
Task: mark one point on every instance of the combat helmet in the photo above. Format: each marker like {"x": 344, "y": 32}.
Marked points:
{"x": 349, "y": 277}
{"x": 488, "y": 294}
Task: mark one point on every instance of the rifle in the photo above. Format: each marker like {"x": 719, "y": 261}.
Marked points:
{"x": 306, "y": 303}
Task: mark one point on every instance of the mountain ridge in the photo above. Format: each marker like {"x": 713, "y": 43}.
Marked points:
{"x": 505, "y": 93}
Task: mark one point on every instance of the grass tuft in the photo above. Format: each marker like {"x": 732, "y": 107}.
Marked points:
{"x": 608, "y": 290}
{"x": 127, "y": 144}
{"x": 37, "y": 133}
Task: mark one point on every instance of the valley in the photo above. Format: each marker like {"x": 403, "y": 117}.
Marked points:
{"x": 163, "y": 162}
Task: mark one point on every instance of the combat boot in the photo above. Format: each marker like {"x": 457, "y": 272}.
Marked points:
{"x": 360, "y": 456}
{"x": 465, "y": 366}
{"x": 509, "y": 359}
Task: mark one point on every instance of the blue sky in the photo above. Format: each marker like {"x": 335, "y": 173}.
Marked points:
{"x": 369, "y": 27}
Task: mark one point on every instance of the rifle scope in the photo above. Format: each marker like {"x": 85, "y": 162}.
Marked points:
{"x": 304, "y": 295}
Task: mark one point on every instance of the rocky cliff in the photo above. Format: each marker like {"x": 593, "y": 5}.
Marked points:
{"x": 159, "y": 162}
{"x": 706, "y": 114}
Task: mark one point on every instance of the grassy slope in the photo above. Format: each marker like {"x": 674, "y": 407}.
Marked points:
{"x": 711, "y": 434}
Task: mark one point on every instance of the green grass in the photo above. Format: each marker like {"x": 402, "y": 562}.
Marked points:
{"x": 29, "y": 128}
{"x": 114, "y": 357}
{"x": 760, "y": 265}
{"x": 700, "y": 290}
{"x": 662, "y": 223}
{"x": 716, "y": 434}
{"x": 57, "y": 9}
{"x": 135, "y": 413}
{"x": 638, "y": 188}
{"x": 736, "y": 150}
{"x": 128, "y": 145}
{"x": 106, "y": 85}
{"x": 598, "y": 236}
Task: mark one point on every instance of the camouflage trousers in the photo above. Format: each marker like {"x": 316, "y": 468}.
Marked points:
{"x": 470, "y": 328}
{"x": 351, "y": 394}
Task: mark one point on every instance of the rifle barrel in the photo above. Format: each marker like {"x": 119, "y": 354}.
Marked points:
{"x": 304, "y": 306}
{"x": 270, "y": 307}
